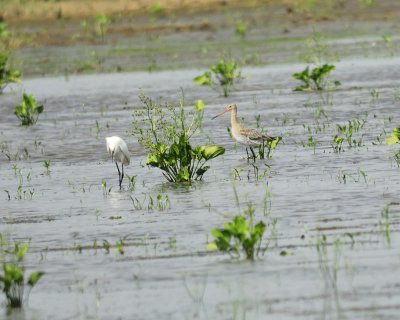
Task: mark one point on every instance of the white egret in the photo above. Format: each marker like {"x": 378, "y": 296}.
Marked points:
{"x": 118, "y": 150}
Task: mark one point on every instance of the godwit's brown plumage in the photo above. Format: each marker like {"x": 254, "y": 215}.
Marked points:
{"x": 247, "y": 136}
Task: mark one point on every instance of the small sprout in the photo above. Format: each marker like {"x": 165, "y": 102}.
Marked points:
{"x": 46, "y": 164}
{"x": 106, "y": 191}
{"x": 106, "y": 246}
{"x": 120, "y": 246}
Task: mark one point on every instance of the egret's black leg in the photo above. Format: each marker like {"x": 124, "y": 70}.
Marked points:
{"x": 119, "y": 174}
{"x": 122, "y": 176}
{"x": 247, "y": 151}
{"x": 254, "y": 155}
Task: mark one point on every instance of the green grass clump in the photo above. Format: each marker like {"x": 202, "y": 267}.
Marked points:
{"x": 223, "y": 74}
{"x": 316, "y": 79}
{"x": 7, "y": 75}
{"x": 239, "y": 236}
{"x": 12, "y": 278}
{"x": 28, "y": 111}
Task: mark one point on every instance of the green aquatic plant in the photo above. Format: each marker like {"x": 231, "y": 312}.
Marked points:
{"x": 315, "y": 79}
{"x": 12, "y": 278}
{"x": 318, "y": 53}
{"x": 223, "y": 74}
{"x": 46, "y": 164}
{"x": 394, "y": 137}
{"x": 28, "y": 111}
{"x": 311, "y": 143}
{"x": 101, "y": 24}
{"x": 270, "y": 146}
{"x": 7, "y": 75}
{"x": 158, "y": 203}
{"x": 166, "y": 134}
{"x": 349, "y": 129}
{"x": 240, "y": 28}
{"x": 337, "y": 144}
{"x": 239, "y": 236}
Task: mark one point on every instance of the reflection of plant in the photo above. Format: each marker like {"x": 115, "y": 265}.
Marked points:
{"x": 384, "y": 223}
{"x": 7, "y": 75}
{"x": 27, "y": 111}
{"x": 167, "y": 137}
{"x": 239, "y": 235}
{"x": 223, "y": 74}
{"x": 12, "y": 280}
{"x": 329, "y": 263}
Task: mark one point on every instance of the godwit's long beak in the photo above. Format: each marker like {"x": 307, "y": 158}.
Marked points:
{"x": 220, "y": 114}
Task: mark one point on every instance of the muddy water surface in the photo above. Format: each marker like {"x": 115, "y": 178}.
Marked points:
{"x": 166, "y": 271}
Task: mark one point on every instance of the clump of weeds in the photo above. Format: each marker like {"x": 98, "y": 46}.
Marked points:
{"x": 7, "y": 74}
{"x": 242, "y": 236}
{"x": 28, "y": 111}
{"x": 152, "y": 203}
{"x": 166, "y": 132}
{"x": 224, "y": 74}
{"x": 13, "y": 281}
{"x": 317, "y": 77}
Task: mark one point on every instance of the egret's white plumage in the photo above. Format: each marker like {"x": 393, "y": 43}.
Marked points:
{"x": 118, "y": 150}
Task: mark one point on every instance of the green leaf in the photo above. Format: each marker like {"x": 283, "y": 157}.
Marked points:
{"x": 22, "y": 250}
{"x": 211, "y": 152}
{"x": 34, "y": 278}
{"x": 199, "y": 106}
{"x": 395, "y": 137}
{"x": 203, "y": 79}
{"x": 212, "y": 246}
{"x": 392, "y": 140}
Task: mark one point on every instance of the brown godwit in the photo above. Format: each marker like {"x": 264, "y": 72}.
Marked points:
{"x": 249, "y": 137}
{"x": 118, "y": 150}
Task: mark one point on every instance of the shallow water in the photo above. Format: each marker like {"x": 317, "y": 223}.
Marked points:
{"x": 158, "y": 278}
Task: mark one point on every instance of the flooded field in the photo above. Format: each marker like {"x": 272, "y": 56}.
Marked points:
{"x": 161, "y": 268}
{"x": 331, "y": 206}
